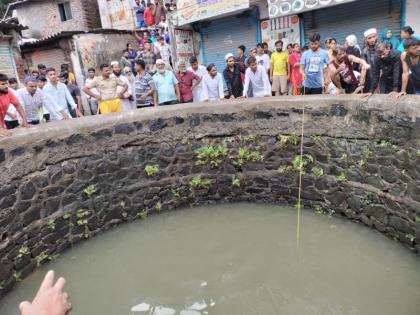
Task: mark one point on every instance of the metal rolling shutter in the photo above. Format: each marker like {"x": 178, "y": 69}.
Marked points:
{"x": 223, "y": 36}
{"x": 7, "y": 63}
{"x": 49, "y": 57}
{"x": 354, "y": 18}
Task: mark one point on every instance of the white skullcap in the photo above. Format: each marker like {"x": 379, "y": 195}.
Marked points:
{"x": 229, "y": 55}
{"x": 113, "y": 63}
{"x": 160, "y": 61}
{"x": 370, "y": 31}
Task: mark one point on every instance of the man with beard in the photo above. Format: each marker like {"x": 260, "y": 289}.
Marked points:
{"x": 127, "y": 96}
{"x": 369, "y": 55}
{"x": 233, "y": 77}
{"x": 108, "y": 96}
{"x": 7, "y": 98}
{"x": 256, "y": 76}
{"x": 213, "y": 83}
{"x": 188, "y": 82}
{"x": 387, "y": 71}
{"x": 199, "y": 94}
{"x": 166, "y": 86}
{"x": 279, "y": 69}
{"x": 411, "y": 68}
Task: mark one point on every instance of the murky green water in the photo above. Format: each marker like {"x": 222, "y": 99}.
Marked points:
{"x": 236, "y": 259}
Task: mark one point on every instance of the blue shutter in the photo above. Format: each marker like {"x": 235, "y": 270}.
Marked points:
{"x": 223, "y": 36}
{"x": 354, "y": 18}
{"x": 7, "y": 63}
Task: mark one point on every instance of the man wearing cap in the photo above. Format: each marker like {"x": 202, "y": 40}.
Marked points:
{"x": 33, "y": 100}
{"x": 164, "y": 49}
{"x": 127, "y": 96}
{"x": 233, "y": 77}
{"x": 167, "y": 89}
{"x": 108, "y": 95}
{"x": 60, "y": 96}
{"x": 188, "y": 82}
{"x": 369, "y": 55}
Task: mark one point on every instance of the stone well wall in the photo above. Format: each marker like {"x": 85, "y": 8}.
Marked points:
{"x": 66, "y": 182}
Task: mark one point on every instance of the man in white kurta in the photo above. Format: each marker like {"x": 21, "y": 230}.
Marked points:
{"x": 199, "y": 93}
{"x": 127, "y": 97}
{"x": 213, "y": 83}
{"x": 257, "y": 77}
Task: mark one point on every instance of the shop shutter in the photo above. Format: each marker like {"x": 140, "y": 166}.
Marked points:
{"x": 49, "y": 57}
{"x": 223, "y": 36}
{"x": 353, "y": 18}
{"x": 7, "y": 63}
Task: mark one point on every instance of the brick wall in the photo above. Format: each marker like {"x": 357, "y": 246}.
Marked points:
{"x": 43, "y": 18}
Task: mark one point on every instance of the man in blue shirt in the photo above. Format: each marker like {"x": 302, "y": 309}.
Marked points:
{"x": 139, "y": 10}
{"x": 166, "y": 86}
{"x": 313, "y": 67}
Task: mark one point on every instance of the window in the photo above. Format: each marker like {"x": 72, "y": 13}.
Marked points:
{"x": 65, "y": 11}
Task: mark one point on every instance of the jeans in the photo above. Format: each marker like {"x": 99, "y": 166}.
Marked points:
{"x": 141, "y": 24}
{"x": 11, "y": 124}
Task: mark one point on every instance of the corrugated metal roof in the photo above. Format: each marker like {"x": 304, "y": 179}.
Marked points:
{"x": 67, "y": 34}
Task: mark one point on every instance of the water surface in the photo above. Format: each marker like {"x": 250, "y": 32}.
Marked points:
{"x": 236, "y": 259}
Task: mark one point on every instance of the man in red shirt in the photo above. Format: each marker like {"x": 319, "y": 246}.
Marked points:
{"x": 149, "y": 14}
{"x": 7, "y": 98}
{"x": 188, "y": 81}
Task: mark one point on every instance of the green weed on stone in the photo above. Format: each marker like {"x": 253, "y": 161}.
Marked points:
{"x": 211, "y": 155}
{"x": 151, "y": 170}
{"x": 199, "y": 183}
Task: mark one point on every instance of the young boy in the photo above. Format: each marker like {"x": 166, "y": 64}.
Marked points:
{"x": 139, "y": 9}
{"x": 149, "y": 15}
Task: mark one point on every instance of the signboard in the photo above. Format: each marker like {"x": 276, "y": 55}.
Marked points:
{"x": 195, "y": 10}
{"x": 288, "y": 7}
{"x": 284, "y": 28}
{"x": 184, "y": 45}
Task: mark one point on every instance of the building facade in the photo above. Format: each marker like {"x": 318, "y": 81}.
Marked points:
{"x": 47, "y": 17}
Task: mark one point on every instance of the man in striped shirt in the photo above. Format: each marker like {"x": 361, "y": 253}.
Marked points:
{"x": 33, "y": 100}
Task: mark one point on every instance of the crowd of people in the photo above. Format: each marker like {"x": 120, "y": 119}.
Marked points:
{"x": 147, "y": 77}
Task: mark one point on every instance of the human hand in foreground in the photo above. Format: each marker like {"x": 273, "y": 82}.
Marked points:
{"x": 49, "y": 300}
{"x": 5, "y": 133}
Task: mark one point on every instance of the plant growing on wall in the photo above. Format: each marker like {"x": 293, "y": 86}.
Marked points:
{"x": 151, "y": 170}
{"x": 299, "y": 163}
{"x": 318, "y": 172}
{"x": 410, "y": 237}
{"x": 51, "y": 224}
{"x": 90, "y": 190}
{"x": 17, "y": 276}
{"x": 342, "y": 178}
{"x": 199, "y": 183}
{"x": 142, "y": 214}
{"x": 211, "y": 155}
{"x": 249, "y": 138}
{"x": 158, "y": 206}
{"x": 24, "y": 250}
{"x": 236, "y": 182}
{"x": 245, "y": 155}
{"x": 43, "y": 257}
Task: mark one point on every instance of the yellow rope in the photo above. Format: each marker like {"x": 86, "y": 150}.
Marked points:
{"x": 300, "y": 179}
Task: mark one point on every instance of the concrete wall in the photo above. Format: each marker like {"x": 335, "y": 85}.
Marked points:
{"x": 117, "y": 14}
{"x": 69, "y": 181}
{"x": 412, "y": 16}
{"x": 43, "y": 17}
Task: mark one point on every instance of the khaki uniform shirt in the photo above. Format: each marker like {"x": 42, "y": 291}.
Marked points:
{"x": 107, "y": 88}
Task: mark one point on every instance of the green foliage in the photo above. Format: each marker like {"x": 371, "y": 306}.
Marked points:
{"x": 142, "y": 214}
{"x": 411, "y": 237}
{"x": 211, "y": 155}
{"x": 299, "y": 163}
{"x": 330, "y": 213}
{"x": 318, "y": 172}
{"x": 185, "y": 141}
{"x": 417, "y": 219}
{"x": 342, "y": 178}
{"x": 250, "y": 138}
{"x": 17, "y": 276}
{"x": 122, "y": 204}
{"x": 176, "y": 194}
{"x": 344, "y": 156}
{"x": 151, "y": 170}
{"x": 41, "y": 258}
{"x": 236, "y": 182}
{"x": 316, "y": 138}
{"x": 366, "y": 152}
{"x": 198, "y": 183}
{"x": 24, "y": 250}
{"x": 361, "y": 163}
{"x": 51, "y": 224}
{"x": 292, "y": 139}
{"x": 90, "y": 190}
{"x": 2, "y": 284}
{"x": 245, "y": 155}
{"x": 385, "y": 144}
{"x": 82, "y": 222}
{"x": 284, "y": 169}
{"x": 81, "y": 216}
{"x": 318, "y": 209}
{"x": 418, "y": 153}
{"x": 67, "y": 216}
{"x": 158, "y": 206}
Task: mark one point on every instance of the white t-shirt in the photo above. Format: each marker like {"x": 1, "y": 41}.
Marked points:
{"x": 259, "y": 81}
{"x": 264, "y": 61}
{"x": 200, "y": 93}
